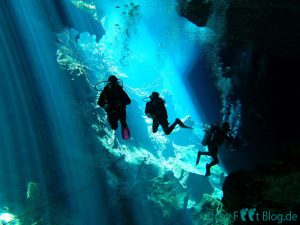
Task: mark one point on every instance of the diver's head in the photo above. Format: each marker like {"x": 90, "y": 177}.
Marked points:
{"x": 225, "y": 126}
{"x": 113, "y": 80}
{"x": 154, "y": 95}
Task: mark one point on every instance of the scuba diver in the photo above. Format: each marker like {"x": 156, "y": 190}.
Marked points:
{"x": 156, "y": 110}
{"x": 114, "y": 100}
{"x": 213, "y": 138}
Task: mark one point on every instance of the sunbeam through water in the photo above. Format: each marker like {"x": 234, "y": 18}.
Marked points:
{"x": 61, "y": 163}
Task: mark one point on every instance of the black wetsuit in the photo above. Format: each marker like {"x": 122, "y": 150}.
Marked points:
{"x": 114, "y": 99}
{"x": 217, "y": 138}
{"x": 157, "y": 111}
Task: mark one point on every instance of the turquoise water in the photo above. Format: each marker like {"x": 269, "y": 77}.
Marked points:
{"x": 60, "y": 160}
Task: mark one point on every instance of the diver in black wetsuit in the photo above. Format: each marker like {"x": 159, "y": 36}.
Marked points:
{"x": 114, "y": 100}
{"x": 156, "y": 110}
{"x": 213, "y": 138}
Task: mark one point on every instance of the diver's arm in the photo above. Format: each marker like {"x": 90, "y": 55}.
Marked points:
{"x": 147, "y": 110}
{"x": 125, "y": 98}
{"x": 102, "y": 100}
{"x": 163, "y": 109}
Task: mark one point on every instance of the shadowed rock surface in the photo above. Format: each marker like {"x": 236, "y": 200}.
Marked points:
{"x": 260, "y": 46}
{"x": 65, "y": 15}
{"x": 272, "y": 186}
{"x": 270, "y": 26}
{"x": 195, "y": 11}
{"x": 260, "y": 49}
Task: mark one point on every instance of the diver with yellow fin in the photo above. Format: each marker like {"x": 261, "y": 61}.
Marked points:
{"x": 114, "y": 100}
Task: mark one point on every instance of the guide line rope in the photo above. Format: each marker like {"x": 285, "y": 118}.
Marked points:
{"x": 54, "y": 201}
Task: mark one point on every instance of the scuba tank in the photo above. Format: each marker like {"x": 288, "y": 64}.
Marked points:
{"x": 206, "y": 138}
{"x": 212, "y": 135}
{"x": 207, "y": 135}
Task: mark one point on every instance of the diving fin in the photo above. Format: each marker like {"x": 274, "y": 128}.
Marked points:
{"x": 125, "y": 133}
{"x": 182, "y": 125}
{"x": 198, "y": 158}
{"x": 185, "y": 126}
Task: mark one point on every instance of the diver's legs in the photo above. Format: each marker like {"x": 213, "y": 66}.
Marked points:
{"x": 123, "y": 118}
{"x": 155, "y": 125}
{"x": 213, "y": 149}
{"x": 123, "y": 123}
{"x": 209, "y": 165}
{"x": 166, "y": 128}
{"x": 199, "y": 155}
{"x": 112, "y": 120}
{"x": 181, "y": 124}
